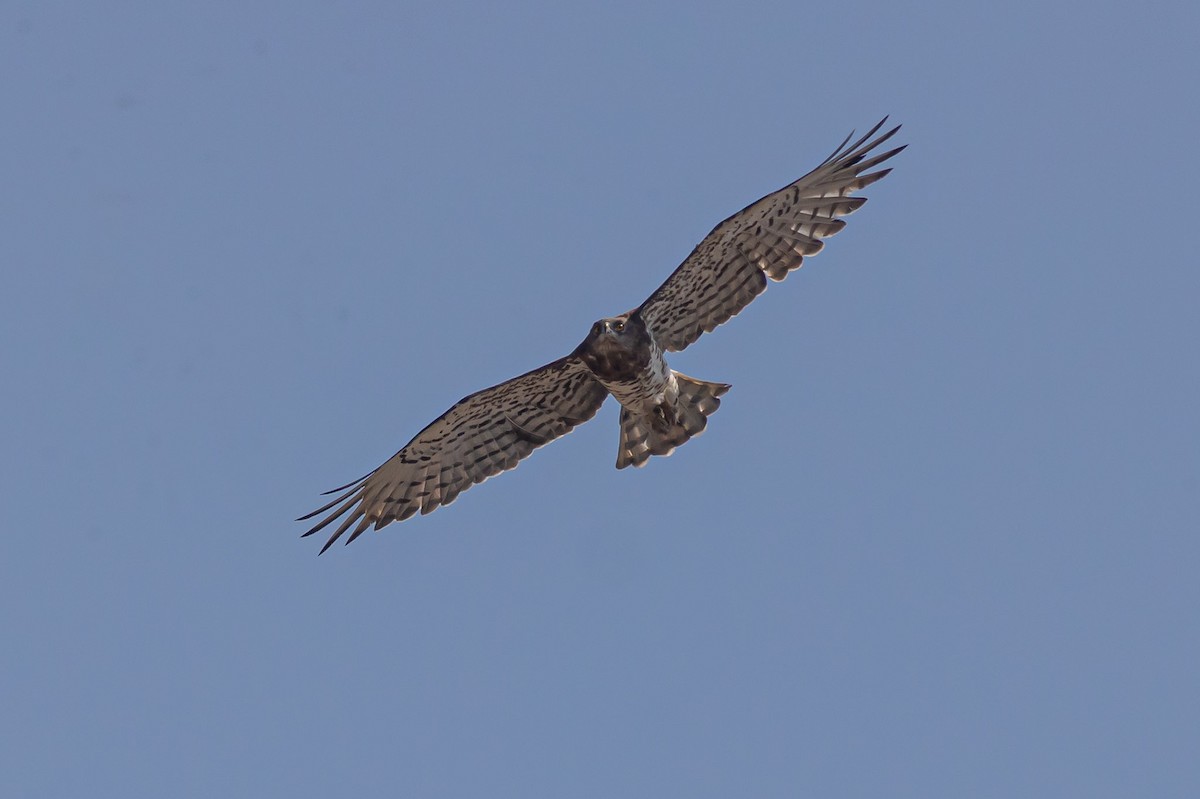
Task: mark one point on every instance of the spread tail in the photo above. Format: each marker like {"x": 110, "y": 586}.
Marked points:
{"x": 661, "y": 432}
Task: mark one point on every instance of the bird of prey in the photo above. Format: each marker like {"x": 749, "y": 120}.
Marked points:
{"x": 490, "y": 431}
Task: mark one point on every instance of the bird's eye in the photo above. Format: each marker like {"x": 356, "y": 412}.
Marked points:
{"x": 619, "y": 326}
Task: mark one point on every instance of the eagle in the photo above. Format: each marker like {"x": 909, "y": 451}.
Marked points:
{"x": 490, "y": 431}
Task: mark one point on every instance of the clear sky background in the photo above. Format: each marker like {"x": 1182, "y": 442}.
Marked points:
{"x": 941, "y": 540}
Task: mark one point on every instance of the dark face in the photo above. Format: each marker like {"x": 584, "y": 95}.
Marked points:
{"x": 612, "y": 332}
{"x": 617, "y": 348}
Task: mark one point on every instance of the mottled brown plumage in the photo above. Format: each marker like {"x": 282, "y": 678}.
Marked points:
{"x": 766, "y": 239}
{"x": 484, "y": 434}
{"x": 492, "y": 430}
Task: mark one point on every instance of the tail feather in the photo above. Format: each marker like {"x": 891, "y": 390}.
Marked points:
{"x": 646, "y": 435}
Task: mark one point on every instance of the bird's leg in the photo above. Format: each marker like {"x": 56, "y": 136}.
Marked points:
{"x": 663, "y": 417}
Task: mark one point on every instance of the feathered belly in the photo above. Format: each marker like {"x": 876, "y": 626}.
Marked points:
{"x": 646, "y": 388}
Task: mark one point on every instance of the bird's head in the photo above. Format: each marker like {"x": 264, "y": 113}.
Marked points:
{"x": 616, "y": 345}
{"x": 616, "y": 332}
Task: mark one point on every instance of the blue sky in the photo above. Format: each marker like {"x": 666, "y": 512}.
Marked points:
{"x": 940, "y": 540}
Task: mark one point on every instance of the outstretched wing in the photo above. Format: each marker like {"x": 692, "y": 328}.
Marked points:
{"x": 484, "y": 434}
{"x": 767, "y": 239}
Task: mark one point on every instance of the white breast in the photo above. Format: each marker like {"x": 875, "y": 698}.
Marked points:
{"x": 651, "y": 387}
